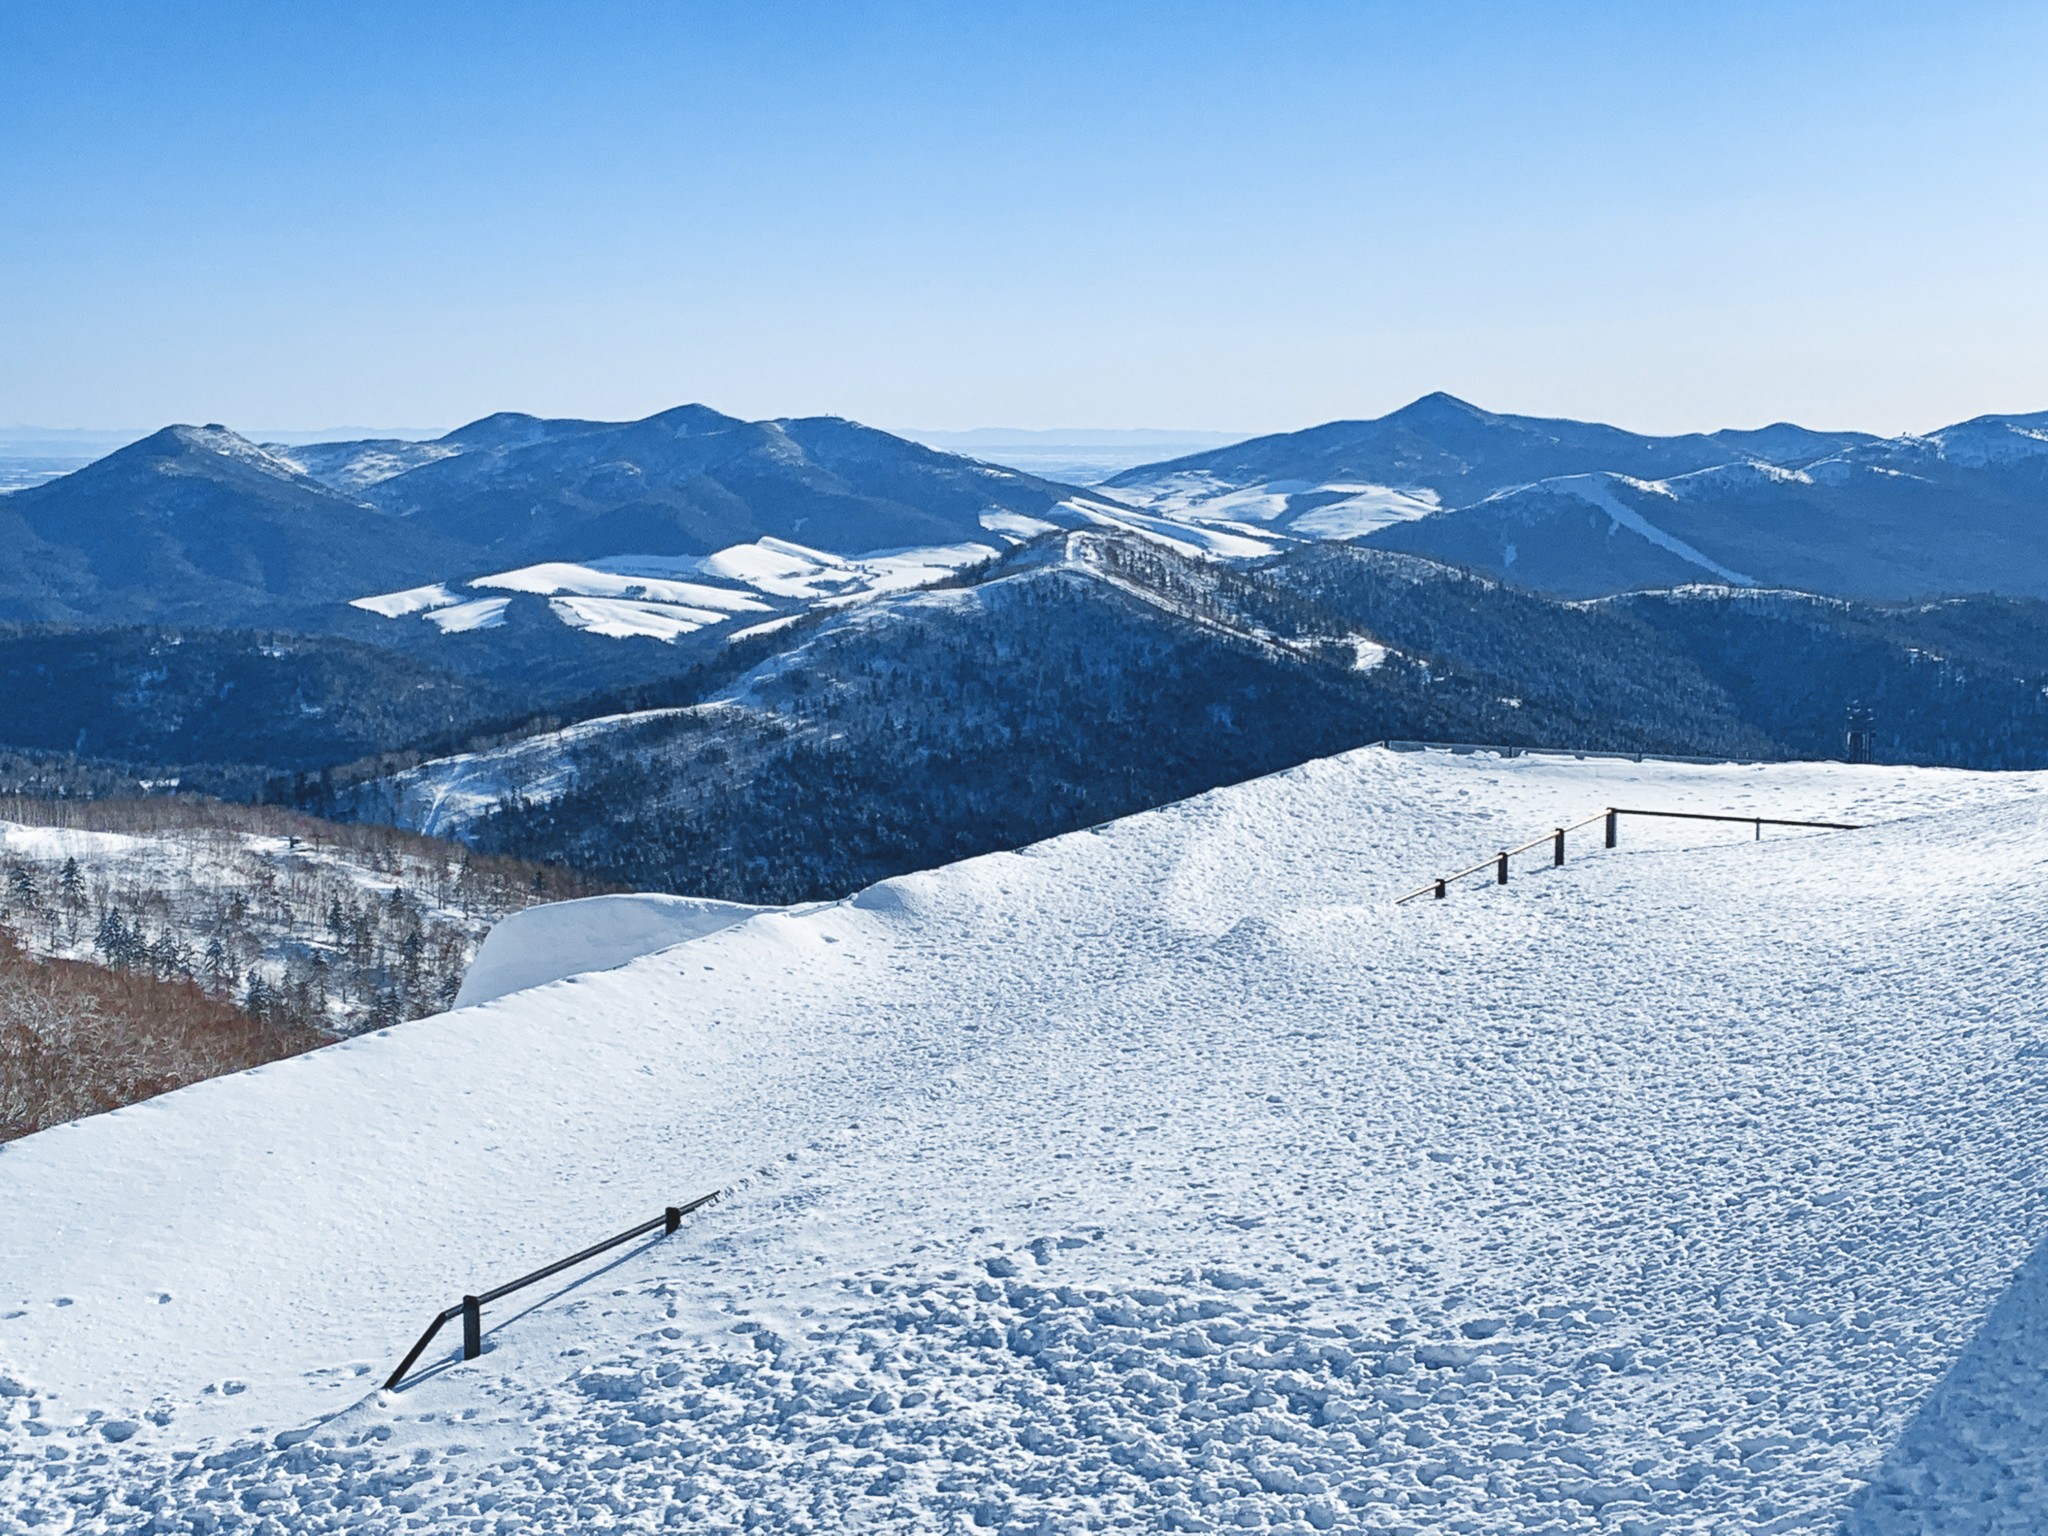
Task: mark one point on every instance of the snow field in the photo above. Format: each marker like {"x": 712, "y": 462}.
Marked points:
{"x": 622, "y": 597}
{"x": 1164, "y": 1177}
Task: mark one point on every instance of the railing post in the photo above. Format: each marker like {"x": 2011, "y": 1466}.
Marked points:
{"x": 1440, "y": 890}
{"x": 1612, "y": 817}
{"x": 472, "y": 1328}
{"x": 671, "y": 1219}
{"x": 1759, "y": 829}
{"x": 1500, "y": 870}
{"x": 1557, "y": 849}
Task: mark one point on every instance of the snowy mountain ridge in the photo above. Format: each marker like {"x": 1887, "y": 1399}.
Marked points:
{"x": 446, "y": 796}
{"x": 197, "y": 522}
{"x": 1090, "y": 674}
{"x": 1842, "y": 513}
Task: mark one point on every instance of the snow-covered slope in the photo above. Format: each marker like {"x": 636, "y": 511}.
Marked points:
{"x": 666, "y": 597}
{"x": 1347, "y": 478}
{"x": 1583, "y": 509}
{"x": 1164, "y": 1175}
{"x": 337, "y": 929}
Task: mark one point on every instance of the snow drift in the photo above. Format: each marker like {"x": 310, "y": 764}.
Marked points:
{"x": 566, "y": 938}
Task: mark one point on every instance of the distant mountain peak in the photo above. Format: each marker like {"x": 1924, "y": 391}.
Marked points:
{"x": 184, "y": 442}
{"x": 691, "y": 419}
{"x": 1437, "y": 405}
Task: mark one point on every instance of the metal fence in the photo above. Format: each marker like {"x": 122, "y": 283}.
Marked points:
{"x": 1612, "y": 817}
{"x": 470, "y": 1308}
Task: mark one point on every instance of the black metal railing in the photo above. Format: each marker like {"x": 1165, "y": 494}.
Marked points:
{"x": 470, "y": 1308}
{"x": 1612, "y": 816}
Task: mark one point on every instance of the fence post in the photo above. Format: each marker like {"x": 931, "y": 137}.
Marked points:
{"x": 472, "y": 1328}
{"x": 1612, "y": 817}
{"x": 1500, "y": 871}
{"x": 1440, "y": 890}
{"x": 1557, "y": 849}
{"x": 1759, "y": 829}
{"x": 671, "y": 1219}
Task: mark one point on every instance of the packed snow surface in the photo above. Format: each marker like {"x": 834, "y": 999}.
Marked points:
{"x": 1160, "y": 1177}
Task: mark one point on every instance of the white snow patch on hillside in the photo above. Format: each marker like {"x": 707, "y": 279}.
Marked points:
{"x": 665, "y": 597}
{"x": 1342, "y": 509}
{"x": 1363, "y": 509}
{"x": 397, "y": 605}
{"x": 1163, "y": 1175}
{"x": 786, "y": 570}
{"x": 1185, "y": 491}
{"x": 233, "y": 445}
{"x": 620, "y": 618}
{"x": 1598, "y": 490}
{"x": 1016, "y": 525}
{"x": 54, "y": 844}
{"x": 770, "y": 627}
{"x": 351, "y": 467}
{"x": 479, "y": 613}
{"x": 566, "y": 579}
{"x": 443, "y": 796}
{"x": 1743, "y": 474}
{"x": 1217, "y": 542}
{"x": 567, "y": 938}
{"x": 904, "y": 569}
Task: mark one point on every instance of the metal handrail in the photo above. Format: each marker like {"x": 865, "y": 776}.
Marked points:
{"x": 470, "y": 1307}
{"x": 1761, "y": 821}
{"x": 1555, "y": 837}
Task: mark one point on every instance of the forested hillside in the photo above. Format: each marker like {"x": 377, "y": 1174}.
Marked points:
{"x": 153, "y": 942}
{"x": 1091, "y": 675}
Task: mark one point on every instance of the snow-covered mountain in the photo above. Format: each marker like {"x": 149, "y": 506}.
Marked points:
{"x": 199, "y": 525}
{"x": 689, "y": 481}
{"x": 1347, "y": 478}
{"x": 1960, "y": 510}
{"x": 1165, "y": 1176}
{"x": 1588, "y": 510}
{"x": 1089, "y": 675}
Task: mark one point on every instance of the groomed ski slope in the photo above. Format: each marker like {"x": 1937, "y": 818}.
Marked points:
{"x": 1159, "y": 1177}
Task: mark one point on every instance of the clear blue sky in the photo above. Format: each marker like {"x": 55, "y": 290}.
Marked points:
{"x": 1250, "y": 216}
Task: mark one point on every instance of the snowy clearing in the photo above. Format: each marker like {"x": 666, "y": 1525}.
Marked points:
{"x": 666, "y": 597}
{"x": 1162, "y": 1176}
{"x": 1301, "y": 508}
